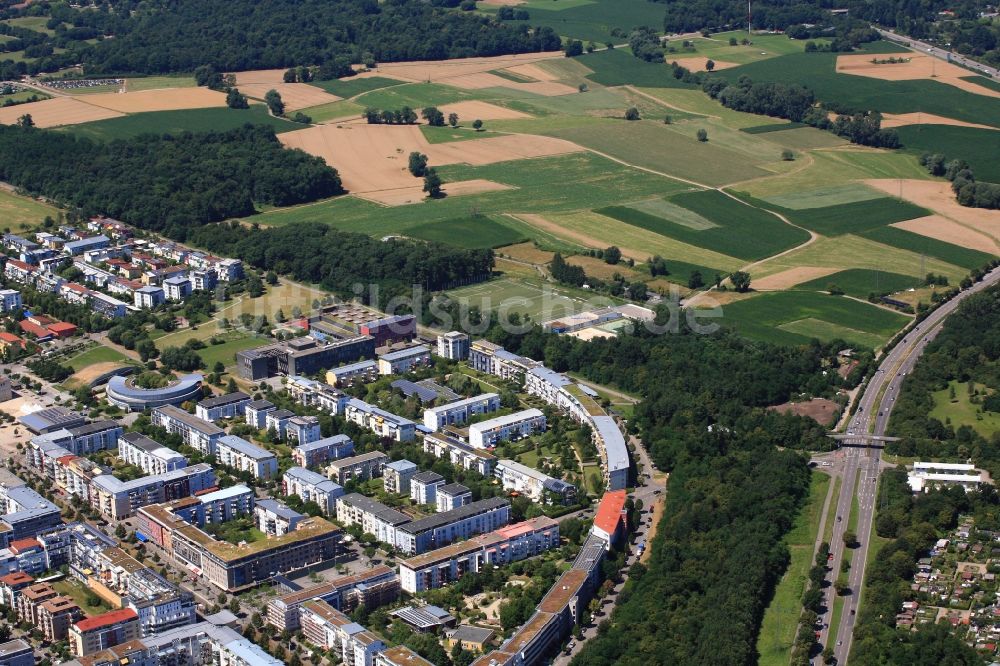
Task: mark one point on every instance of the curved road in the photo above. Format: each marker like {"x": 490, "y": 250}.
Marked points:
{"x": 862, "y": 464}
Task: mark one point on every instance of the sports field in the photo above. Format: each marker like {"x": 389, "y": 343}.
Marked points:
{"x": 539, "y": 300}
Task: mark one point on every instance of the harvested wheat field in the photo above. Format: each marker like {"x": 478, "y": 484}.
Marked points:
{"x": 791, "y": 277}
{"x": 164, "y": 99}
{"x": 480, "y": 80}
{"x": 415, "y": 194}
{"x": 709, "y": 299}
{"x": 295, "y": 95}
{"x": 526, "y": 252}
{"x": 469, "y": 111}
{"x": 938, "y": 197}
{"x": 919, "y": 66}
{"x": 371, "y": 158}
{"x": 260, "y": 76}
{"x": 56, "y": 111}
{"x": 697, "y": 64}
{"x": 434, "y": 70}
{"x": 949, "y": 231}
{"x": 572, "y": 235}
{"x": 533, "y": 71}
{"x": 901, "y": 119}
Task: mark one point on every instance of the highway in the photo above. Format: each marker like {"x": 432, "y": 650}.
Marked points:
{"x": 943, "y": 54}
{"x": 872, "y": 418}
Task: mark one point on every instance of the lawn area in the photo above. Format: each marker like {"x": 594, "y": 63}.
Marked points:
{"x": 738, "y": 230}
{"x": 794, "y": 317}
{"x": 95, "y": 355}
{"x": 554, "y": 184}
{"x": 540, "y": 301}
{"x": 864, "y": 252}
{"x": 960, "y": 411}
{"x": 670, "y": 149}
{"x": 588, "y": 20}
{"x": 176, "y": 122}
{"x": 159, "y": 82}
{"x": 79, "y": 593}
{"x": 226, "y": 352}
{"x": 977, "y": 146}
{"x": 777, "y": 632}
{"x": 351, "y": 87}
{"x": 16, "y": 210}
{"x": 931, "y": 247}
{"x": 469, "y": 232}
{"x": 859, "y": 282}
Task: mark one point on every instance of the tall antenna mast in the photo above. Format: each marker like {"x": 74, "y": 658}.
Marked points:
{"x": 749, "y": 18}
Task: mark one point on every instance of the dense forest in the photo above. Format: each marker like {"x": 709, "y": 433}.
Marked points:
{"x": 161, "y": 36}
{"x": 317, "y": 253}
{"x": 168, "y": 184}
{"x": 964, "y": 360}
{"x": 913, "y": 523}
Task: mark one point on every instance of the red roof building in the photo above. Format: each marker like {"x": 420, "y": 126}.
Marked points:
{"x": 8, "y": 339}
{"x": 20, "y": 545}
{"x": 41, "y": 320}
{"x": 609, "y": 523}
{"x": 18, "y": 578}
{"x": 106, "y": 620}
{"x": 62, "y": 329}
{"x": 34, "y": 329}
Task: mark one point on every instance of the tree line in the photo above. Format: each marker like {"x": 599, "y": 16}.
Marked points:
{"x": 168, "y": 184}
{"x": 164, "y": 36}
{"x": 968, "y": 191}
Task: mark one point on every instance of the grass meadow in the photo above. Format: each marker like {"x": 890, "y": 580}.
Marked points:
{"x": 539, "y": 300}
{"x": 960, "y": 411}
{"x": 177, "y": 122}
{"x": 977, "y": 146}
{"x": 860, "y": 282}
{"x": 95, "y": 355}
{"x": 16, "y": 210}
{"x": 930, "y": 247}
{"x": 352, "y": 87}
{"x": 469, "y": 232}
{"x": 851, "y": 218}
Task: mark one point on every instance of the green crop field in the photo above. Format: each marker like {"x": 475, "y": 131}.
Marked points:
{"x": 448, "y": 134}
{"x": 327, "y": 112}
{"x": 977, "y": 146}
{"x": 852, "y": 218}
{"x": 983, "y": 81}
{"x": 773, "y": 127}
{"x": 468, "y": 232}
{"x": 659, "y": 147}
{"x": 931, "y": 247}
{"x": 617, "y": 67}
{"x": 351, "y": 87}
{"x": 555, "y": 184}
{"x": 16, "y": 210}
{"x": 866, "y": 93}
{"x": 797, "y": 316}
{"x": 741, "y": 230}
{"x": 159, "y": 82}
{"x": 665, "y": 209}
{"x": 859, "y": 282}
{"x": 821, "y": 197}
{"x": 176, "y": 122}
{"x": 418, "y": 96}
{"x": 589, "y": 20}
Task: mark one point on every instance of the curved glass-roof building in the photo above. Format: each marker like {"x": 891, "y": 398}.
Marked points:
{"x": 121, "y": 391}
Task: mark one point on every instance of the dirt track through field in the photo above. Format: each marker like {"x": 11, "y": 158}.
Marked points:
{"x": 56, "y": 111}
{"x": 918, "y": 66}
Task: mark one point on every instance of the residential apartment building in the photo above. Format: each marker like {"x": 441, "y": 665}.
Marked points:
{"x": 373, "y": 516}
{"x": 396, "y": 476}
{"x": 424, "y": 486}
{"x": 148, "y": 455}
{"x": 25, "y": 513}
{"x": 493, "y": 359}
{"x": 228, "y": 406}
{"x": 347, "y": 375}
{"x": 370, "y": 588}
{"x": 196, "y": 433}
{"x": 312, "y": 487}
{"x": 121, "y": 499}
{"x": 255, "y": 413}
{"x": 489, "y": 433}
{"x": 453, "y": 346}
{"x": 438, "y": 530}
{"x": 302, "y": 429}
{"x": 379, "y": 421}
{"x": 55, "y": 617}
{"x": 310, "y": 393}
{"x": 17, "y": 652}
{"x": 460, "y": 411}
{"x": 241, "y": 455}
{"x": 274, "y": 518}
{"x": 403, "y": 360}
{"x": 216, "y": 507}
{"x": 452, "y": 496}
{"x": 536, "y": 485}
{"x": 10, "y": 300}
{"x": 459, "y": 453}
{"x": 323, "y": 450}
{"x": 362, "y": 467}
{"x": 177, "y": 288}
{"x": 277, "y": 420}
{"x": 149, "y": 297}
{"x": 92, "y": 437}
{"x": 329, "y": 629}
{"x": 101, "y": 632}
